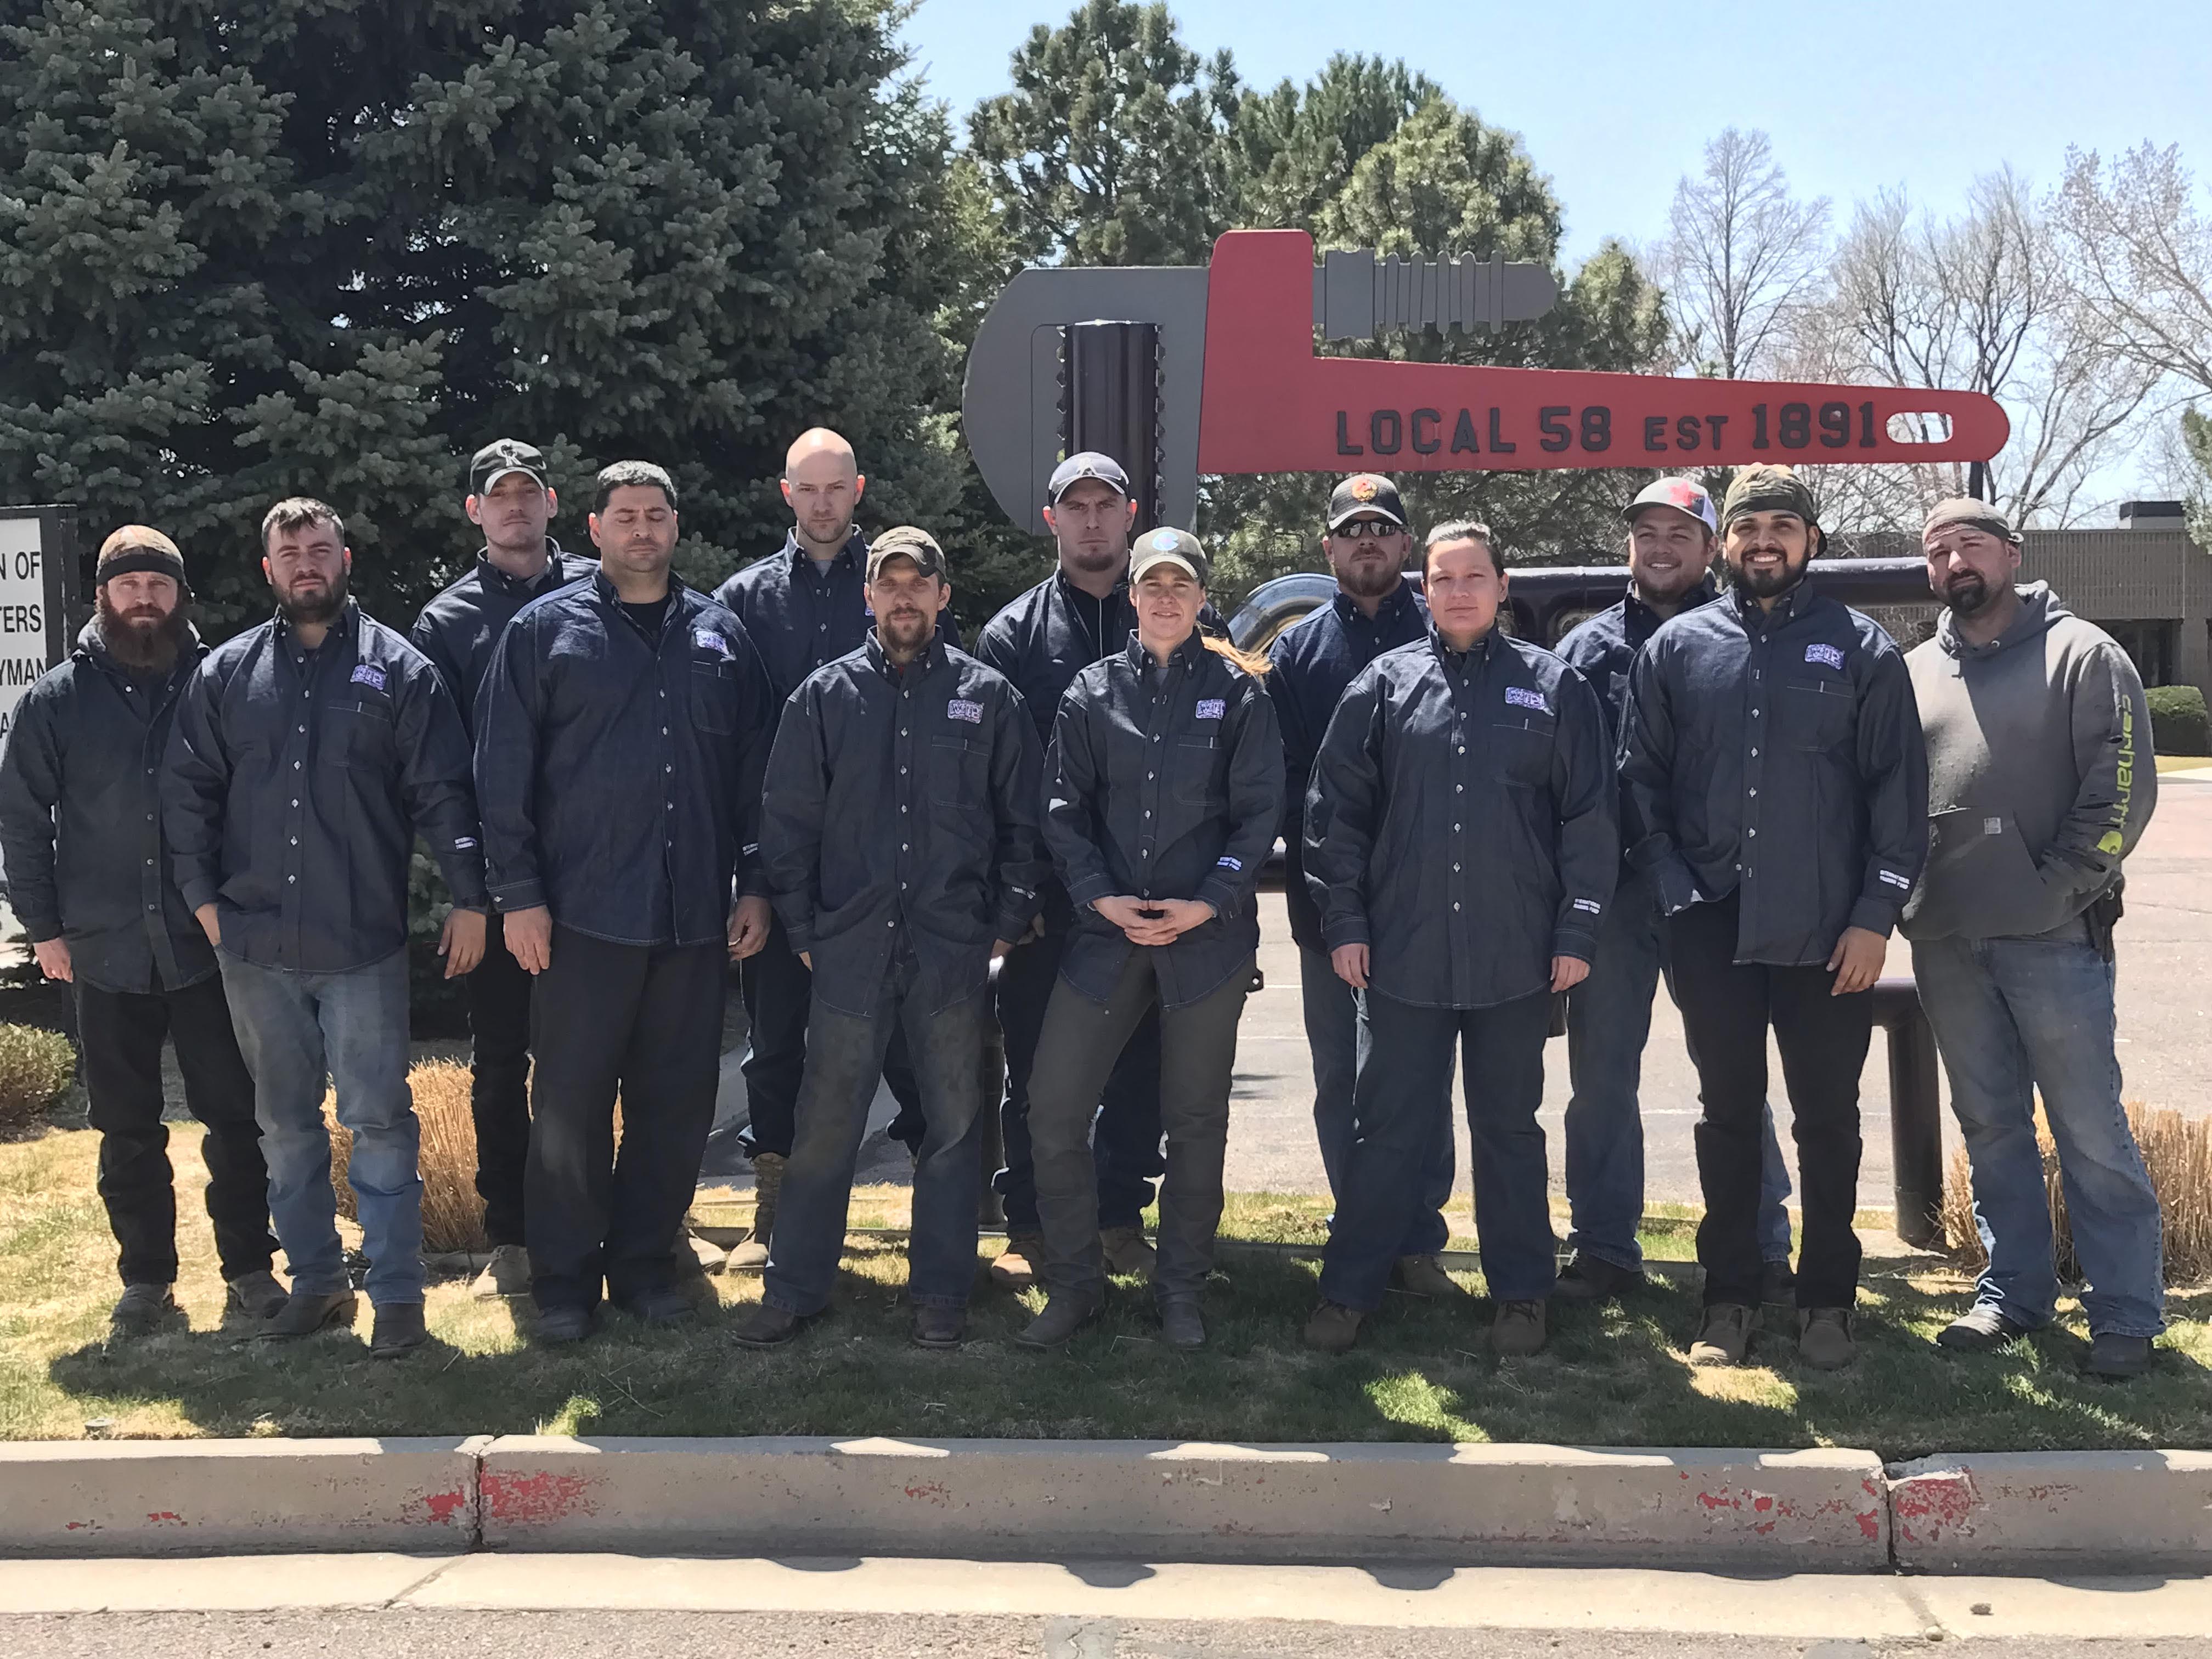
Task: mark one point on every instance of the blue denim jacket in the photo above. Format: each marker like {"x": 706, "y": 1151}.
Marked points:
{"x": 458, "y": 629}
{"x": 620, "y": 776}
{"x": 295, "y": 784}
{"x": 1315, "y": 660}
{"x": 1779, "y": 754}
{"x": 801, "y": 618}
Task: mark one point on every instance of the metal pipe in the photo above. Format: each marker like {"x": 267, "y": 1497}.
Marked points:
{"x": 1915, "y": 1117}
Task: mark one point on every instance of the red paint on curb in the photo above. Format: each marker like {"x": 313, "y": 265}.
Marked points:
{"x": 167, "y": 1515}
{"x": 1925, "y": 1504}
{"x": 535, "y": 1499}
{"x": 445, "y": 1505}
{"x": 934, "y": 1491}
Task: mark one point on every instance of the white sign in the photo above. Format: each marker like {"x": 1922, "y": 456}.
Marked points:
{"x": 24, "y": 630}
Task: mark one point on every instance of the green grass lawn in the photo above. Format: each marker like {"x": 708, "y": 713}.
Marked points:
{"x": 1614, "y": 1376}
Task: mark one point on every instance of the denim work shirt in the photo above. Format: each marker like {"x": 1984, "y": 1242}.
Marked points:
{"x": 902, "y": 810}
{"x": 1315, "y": 659}
{"x": 802, "y": 617}
{"x": 80, "y": 821}
{"x": 1041, "y": 642}
{"x": 458, "y": 629}
{"x": 1603, "y": 648}
{"x": 297, "y": 781}
{"x": 620, "y": 774}
{"x": 1778, "y": 753}
{"x": 1163, "y": 783}
{"x": 1460, "y": 822}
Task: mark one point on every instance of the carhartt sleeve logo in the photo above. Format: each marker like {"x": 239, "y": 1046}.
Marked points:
{"x": 960, "y": 708}
{"x": 1212, "y": 709}
{"x": 1827, "y": 653}
{"x": 1520, "y": 697}
{"x": 370, "y": 675}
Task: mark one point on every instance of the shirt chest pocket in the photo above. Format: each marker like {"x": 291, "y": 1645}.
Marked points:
{"x": 714, "y": 695}
{"x": 1818, "y": 715}
{"x": 360, "y": 734}
{"x": 1197, "y": 768}
{"x": 959, "y": 772}
{"x": 1522, "y": 746}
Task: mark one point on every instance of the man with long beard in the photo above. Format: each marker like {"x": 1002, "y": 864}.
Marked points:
{"x": 88, "y": 874}
{"x": 899, "y": 831}
{"x": 307, "y": 754}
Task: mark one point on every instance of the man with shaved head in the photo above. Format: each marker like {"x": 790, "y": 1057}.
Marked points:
{"x": 804, "y": 606}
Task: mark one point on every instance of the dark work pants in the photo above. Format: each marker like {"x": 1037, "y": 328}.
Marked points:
{"x": 121, "y": 1033}
{"x": 1407, "y": 1066}
{"x": 1126, "y": 1142}
{"x": 1727, "y": 1007}
{"x": 778, "y": 990}
{"x": 844, "y": 1057}
{"x": 499, "y": 1083}
{"x": 645, "y": 1020}
{"x": 1077, "y": 1051}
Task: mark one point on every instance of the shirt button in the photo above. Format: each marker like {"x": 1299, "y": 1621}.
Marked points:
{"x": 1459, "y": 789}
{"x": 1155, "y": 738}
{"x": 1455, "y": 904}
{"x": 295, "y": 766}
{"x": 150, "y": 861}
{"x": 1148, "y": 812}
{"x": 1752, "y": 831}
{"x": 295, "y": 803}
{"x": 1755, "y": 792}
{"x": 1462, "y": 750}
{"x": 1149, "y": 776}
{"x": 668, "y": 769}
{"x": 903, "y": 808}
{"x": 1455, "y": 828}
{"x": 303, "y": 728}
{"x": 902, "y": 771}
{"x": 1754, "y": 754}
{"x": 1754, "y": 713}
{"x": 906, "y": 847}
{"x": 295, "y": 841}
{"x": 901, "y": 730}
{"x": 289, "y": 879}
{"x": 1454, "y": 869}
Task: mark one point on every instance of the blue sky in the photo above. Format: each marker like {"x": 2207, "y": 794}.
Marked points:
{"x": 1615, "y": 100}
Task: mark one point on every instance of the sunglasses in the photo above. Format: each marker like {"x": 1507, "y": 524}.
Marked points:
{"x": 1366, "y": 529}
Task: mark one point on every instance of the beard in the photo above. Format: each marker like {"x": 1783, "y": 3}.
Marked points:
{"x": 142, "y": 638}
{"x": 1368, "y": 579}
{"x": 905, "y": 634}
{"x": 315, "y": 611}
{"x": 1765, "y": 584}
{"x": 1969, "y": 596}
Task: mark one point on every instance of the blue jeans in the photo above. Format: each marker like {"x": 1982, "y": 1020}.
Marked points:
{"x": 296, "y": 1032}
{"x": 2013, "y": 1017}
{"x": 1409, "y": 1063}
{"x": 844, "y": 1058}
{"x": 1336, "y": 1031}
{"x": 1608, "y": 1021}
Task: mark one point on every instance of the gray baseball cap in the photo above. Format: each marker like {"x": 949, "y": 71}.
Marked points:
{"x": 1175, "y": 547}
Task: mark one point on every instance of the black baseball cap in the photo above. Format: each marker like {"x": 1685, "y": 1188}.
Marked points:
{"x": 1365, "y": 492}
{"x": 1090, "y": 464}
{"x": 502, "y": 456}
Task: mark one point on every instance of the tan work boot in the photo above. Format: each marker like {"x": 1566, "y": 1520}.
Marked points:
{"x": 1723, "y": 1335}
{"x": 1017, "y": 1265}
{"x": 1519, "y": 1329}
{"x": 1824, "y": 1339}
{"x": 1128, "y": 1252}
{"x": 752, "y": 1256}
{"x": 1425, "y": 1275}
{"x": 1334, "y": 1327}
{"x": 508, "y": 1273}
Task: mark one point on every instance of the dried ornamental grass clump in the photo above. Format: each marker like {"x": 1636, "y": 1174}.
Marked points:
{"x": 2177, "y": 1152}
{"x": 453, "y": 1214}
{"x": 35, "y": 1067}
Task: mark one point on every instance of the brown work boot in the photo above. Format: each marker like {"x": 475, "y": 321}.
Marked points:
{"x": 1127, "y": 1251}
{"x": 1824, "y": 1339}
{"x": 252, "y": 1297}
{"x": 399, "y": 1331}
{"x": 1064, "y": 1314}
{"x": 752, "y": 1256}
{"x": 306, "y": 1312}
{"x": 763, "y": 1326}
{"x": 508, "y": 1273}
{"x": 1019, "y": 1263}
{"x": 1425, "y": 1275}
{"x": 1723, "y": 1335}
{"x": 1333, "y": 1327}
{"x": 1518, "y": 1330}
{"x": 1593, "y": 1279}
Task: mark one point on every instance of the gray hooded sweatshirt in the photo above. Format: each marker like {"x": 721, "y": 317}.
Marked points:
{"x": 2040, "y": 774}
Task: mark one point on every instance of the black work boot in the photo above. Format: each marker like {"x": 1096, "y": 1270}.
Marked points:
{"x": 1064, "y": 1314}
{"x": 142, "y": 1309}
{"x": 1593, "y": 1279}
{"x": 765, "y": 1326}
{"x": 399, "y": 1331}
{"x": 1981, "y": 1329}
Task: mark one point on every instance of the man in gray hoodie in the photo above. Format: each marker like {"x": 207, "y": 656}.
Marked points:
{"x": 2040, "y": 780}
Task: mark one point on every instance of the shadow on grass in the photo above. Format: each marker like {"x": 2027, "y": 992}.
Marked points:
{"x": 1613, "y": 1376}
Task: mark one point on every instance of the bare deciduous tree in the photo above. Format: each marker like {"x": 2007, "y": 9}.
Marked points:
{"x": 1741, "y": 257}
{"x": 2138, "y": 246}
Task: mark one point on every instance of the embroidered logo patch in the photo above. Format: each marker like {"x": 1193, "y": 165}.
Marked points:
{"x": 1212, "y": 709}
{"x": 959, "y": 708}
{"x": 1827, "y": 653}
{"x": 1896, "y": 880}
{"x": 708, "y": 640}
{"x": 1591, "y": 905}
{"x": 460, "y": 842}
{"x": 370, "y": 675}
{"x": 1520, "y": 697}
{"x": 1225, "y": 862}
{"x": 1163, "y": 541}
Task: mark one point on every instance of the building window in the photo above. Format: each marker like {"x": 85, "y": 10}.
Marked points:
{"x": 2149, "y": 646}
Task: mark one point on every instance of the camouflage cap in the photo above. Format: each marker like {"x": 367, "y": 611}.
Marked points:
{"x": 907, "y": 542}
{"x": 1761, "y": 489}
{"x": 1966, "y": 510}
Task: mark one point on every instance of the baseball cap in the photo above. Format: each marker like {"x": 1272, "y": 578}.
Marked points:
{"x": 1762, "y": 488}
{"x": 1966, "y": 510}
{"x": 1175, "y": 547}
{"x": 1683, "y": 494}
{"x": 500, "y": 457}
{"x": 907, "y": 542}
{"x": 1365, "y": 492}
{"x": 1089, "y": 464}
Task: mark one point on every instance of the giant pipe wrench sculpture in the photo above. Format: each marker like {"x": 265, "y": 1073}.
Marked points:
{"x": 1242, "y": 391}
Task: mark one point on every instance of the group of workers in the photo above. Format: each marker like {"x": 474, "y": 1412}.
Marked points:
{"x": 1726, "y": 779}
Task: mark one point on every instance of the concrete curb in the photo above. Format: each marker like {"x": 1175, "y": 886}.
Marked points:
{"x": 204, "y": 1496}
{"x": 1825, "y": 1510}
{"x": 2052, "y": 1511}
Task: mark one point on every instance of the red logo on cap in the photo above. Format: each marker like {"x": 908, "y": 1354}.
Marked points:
{"x": 1363, "y": 489}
